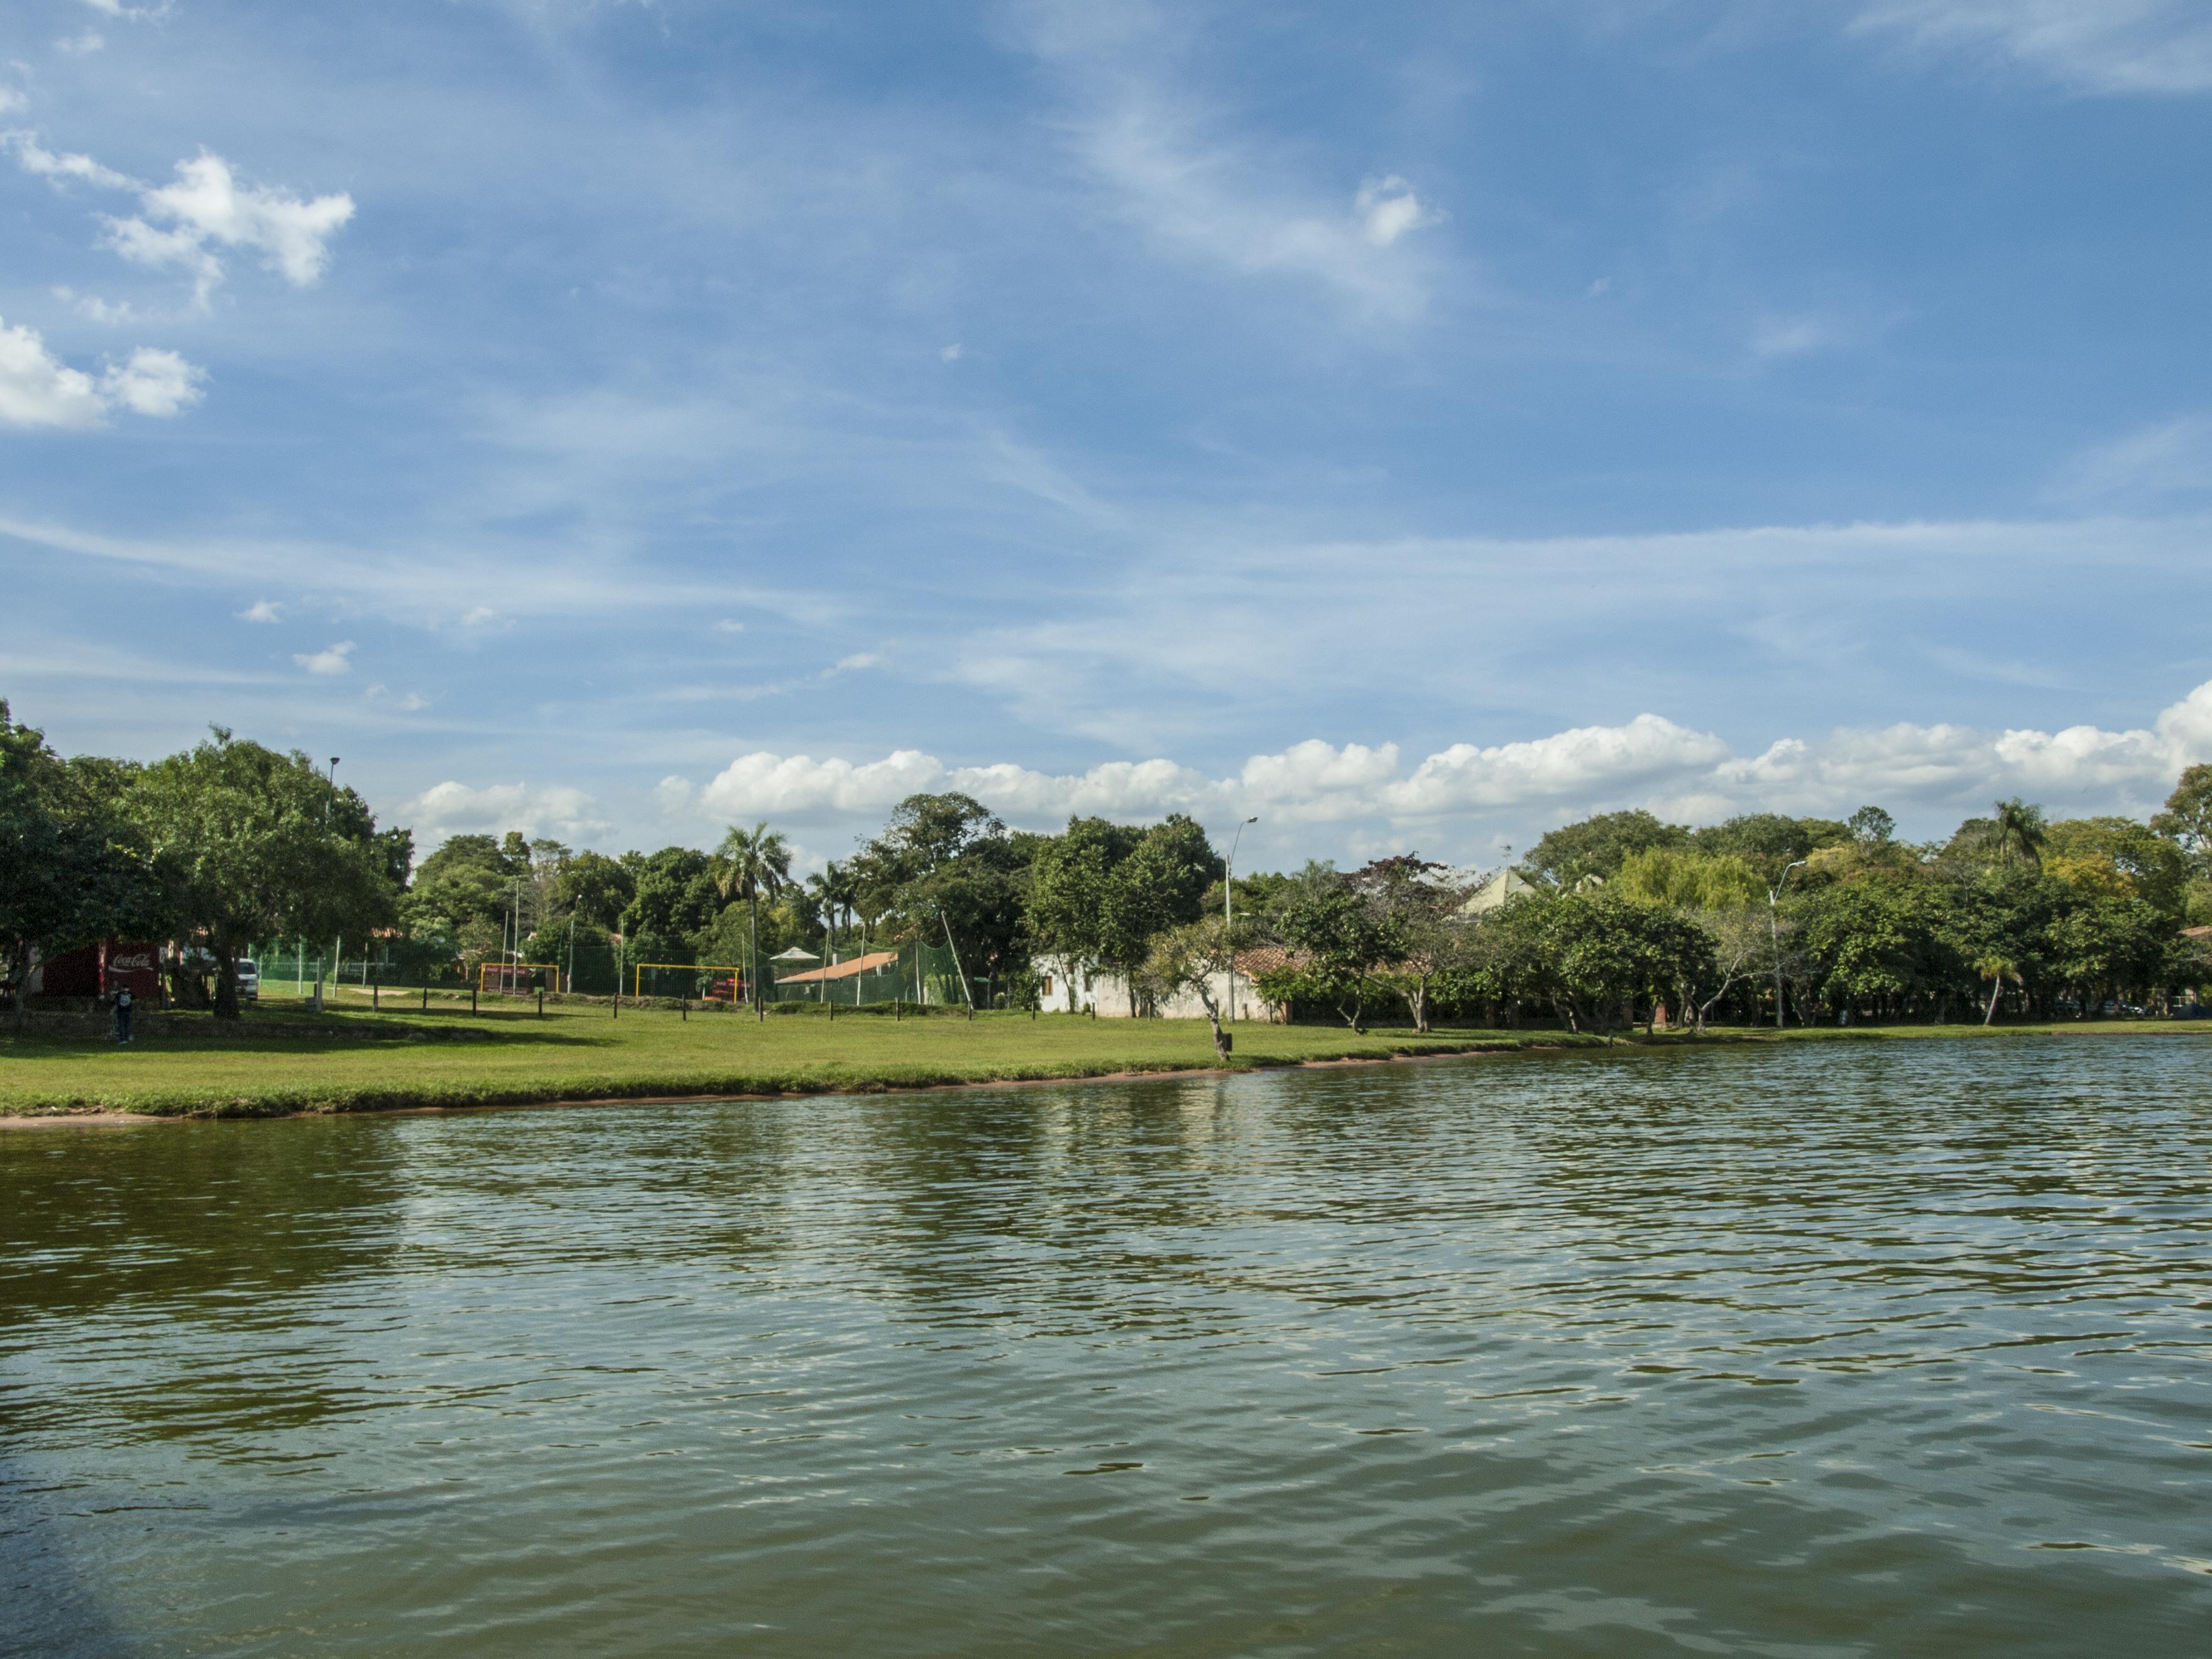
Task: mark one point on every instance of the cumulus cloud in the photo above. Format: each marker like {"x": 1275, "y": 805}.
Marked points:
{"x": 1647, "y": 761}
{"x": 37, "y": 389}
{"x": 329, "y": 662}
{"x": 261, "y": 610}
{"x": 456, "y": 809}
{"x": 205, "y": 207}
{"x": 208, "y": 205}
{"x": 153, "y": 382}
{"x": 2094, "y": 46}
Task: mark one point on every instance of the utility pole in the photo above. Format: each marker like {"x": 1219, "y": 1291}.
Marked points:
{"x": 1229, "y": 912}
{"x": 1774, "y": 935}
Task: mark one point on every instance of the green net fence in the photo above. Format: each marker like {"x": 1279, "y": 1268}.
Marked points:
{"x": 846, "y": 975}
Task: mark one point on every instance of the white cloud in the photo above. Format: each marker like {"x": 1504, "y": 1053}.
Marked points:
{"x": 263, "y": 610}
{"x": 333, "y": 661}
{"x": 1171, "y": 167}
{"x": 207, "y": 203}
{"x": 11, "y": 100}
{"x": 478, "y": 615}
{"x": 853, "y": 664}
{"x": 950, "y": 354}
{"x": 37, "y": 389}
{"x": 727, "y": 625}
{"x": 1388, "y": 208}
{"x": 2094, "y": 46}
{"x": 205, "y": 206}
{"x": 1647, "y": 761}
{"x": 117, "y": 8}
{"x": 80, "y": 46}
{"x": 453, "y": 809}
{"x": 153, "y": 382}
{"x": 1791, "y": 336}
{"x": 2172, "y": 457}
{"x": 34, "y": 158}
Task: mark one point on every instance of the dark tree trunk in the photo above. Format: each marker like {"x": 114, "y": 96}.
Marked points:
{"x": 226, "y": 981}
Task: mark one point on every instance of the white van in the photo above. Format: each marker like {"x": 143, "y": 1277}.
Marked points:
{"x": 249, "y": 980}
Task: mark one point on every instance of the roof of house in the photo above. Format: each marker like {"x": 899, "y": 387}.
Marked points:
{"x": 1260, "y": 959}
{"x": 861, "y": 964}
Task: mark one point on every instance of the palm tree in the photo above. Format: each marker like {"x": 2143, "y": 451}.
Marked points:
{"x": 2018, "y": 827}
{"x": 748, "y": 863}
{"x": 1996, "y": 969}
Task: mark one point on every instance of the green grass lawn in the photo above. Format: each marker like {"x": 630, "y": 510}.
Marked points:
{"x": 285, "y": 1058}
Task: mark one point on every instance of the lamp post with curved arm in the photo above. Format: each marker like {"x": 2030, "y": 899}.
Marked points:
{"x": 1774, "y": 935}
{"x": 1229, "y": 911}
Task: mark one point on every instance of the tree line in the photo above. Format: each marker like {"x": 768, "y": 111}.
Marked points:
{"x": 229, "y": 845}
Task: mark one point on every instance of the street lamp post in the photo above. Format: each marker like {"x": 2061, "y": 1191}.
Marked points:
{"x": 1229, "y": 912}
{"x": 334, "y": 792}
{"x": 1774, "y": 935}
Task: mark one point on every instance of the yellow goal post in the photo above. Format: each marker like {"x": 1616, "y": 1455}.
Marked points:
{"x": 712, "y": 972}
{"x": 516, "y": 978}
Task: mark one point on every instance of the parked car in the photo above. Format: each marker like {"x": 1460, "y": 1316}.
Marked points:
{"x": 249, "y": 980}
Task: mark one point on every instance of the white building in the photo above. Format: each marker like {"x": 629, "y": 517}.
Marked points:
{"x": 1063, "y": 991}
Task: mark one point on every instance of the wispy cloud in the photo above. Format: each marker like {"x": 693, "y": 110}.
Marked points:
{"x": 2169, "y": 458}
{"x": 2092, "y": 46}
{"x": 1171, "y": 164}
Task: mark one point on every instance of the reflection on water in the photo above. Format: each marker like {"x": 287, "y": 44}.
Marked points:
{"x": 1894, "y": 1349}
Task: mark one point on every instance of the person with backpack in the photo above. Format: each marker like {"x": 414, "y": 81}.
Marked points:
{"x": 123, "y": 1014}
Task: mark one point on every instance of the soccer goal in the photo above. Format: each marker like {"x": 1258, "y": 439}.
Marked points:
{"x": 693, "y": 981}
{"x": 512, "y": 979}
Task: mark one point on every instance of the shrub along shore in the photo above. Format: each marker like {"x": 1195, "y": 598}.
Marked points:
{"x": 284, "y": 1060}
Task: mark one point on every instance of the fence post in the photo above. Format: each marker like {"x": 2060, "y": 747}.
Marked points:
{"x": 541, "y": 1003}
{"x": 472, "y": 999}
{"x": 426, "y": 998}
{"x": 376, "y": 995}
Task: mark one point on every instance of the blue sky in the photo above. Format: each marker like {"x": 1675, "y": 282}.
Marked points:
{"x": 1413, "y": 426}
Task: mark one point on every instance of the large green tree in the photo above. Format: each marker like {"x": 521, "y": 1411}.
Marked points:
{"x": 71, "y": 868}
{"x": 250, "y": 844}
{"x": 1598, "y": 846}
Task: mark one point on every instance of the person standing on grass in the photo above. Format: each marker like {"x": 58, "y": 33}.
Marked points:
{"x": 122, "y": 1015}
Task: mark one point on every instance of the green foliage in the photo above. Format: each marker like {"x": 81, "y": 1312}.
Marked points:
{"x": 248, "y": 846}
{"x": 71, "y": 868}
{"x": 2154, "y": 867}
{"x": 1599, "y": 846}
{"x": 1769, "y": 841}
{"x": 945, "y": 864}
{"x": 2187, "y": 819}
{"x": 1099, "y": 894}
{"x": 594, "y": 889}
{"x": 1344, "y": 938}
{"x": 1688, "y": 879}
{"x": 675, "y": 893}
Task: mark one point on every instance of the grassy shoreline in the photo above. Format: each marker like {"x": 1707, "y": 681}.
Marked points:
{"x": 286, "y": 1060}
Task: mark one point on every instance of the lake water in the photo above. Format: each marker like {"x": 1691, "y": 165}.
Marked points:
{"x": 1854, "y": 1349}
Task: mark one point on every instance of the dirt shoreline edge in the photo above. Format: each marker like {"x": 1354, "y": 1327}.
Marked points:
{"x": 101, "y": 1117}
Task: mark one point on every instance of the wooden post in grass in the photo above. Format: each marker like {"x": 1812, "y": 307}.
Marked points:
{"x": 426, "y": 998}
{"x": 472, "y": 999}
{"x": 376, "y": 995}
{"x": 686, "y": 1019}
{"x": 541, "y": 1002}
